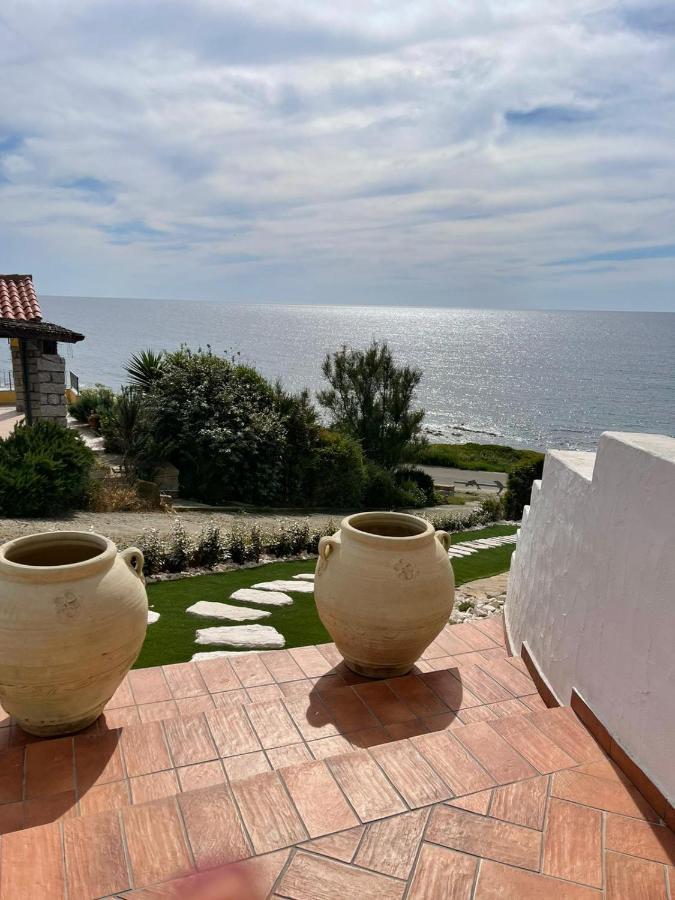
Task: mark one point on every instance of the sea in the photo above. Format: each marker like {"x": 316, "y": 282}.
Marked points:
{"x": 530, "y": 378}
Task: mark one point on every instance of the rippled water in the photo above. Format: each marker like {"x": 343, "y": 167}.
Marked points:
{"x": 528, "y": 378}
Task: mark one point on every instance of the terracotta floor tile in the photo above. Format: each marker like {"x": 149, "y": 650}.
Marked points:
{"x": 523, "y": 802}
{"x": 443, "y": 662}
{"x": 368, "y": 737}
{"x": 479, "y": 683}
{"x": 301, "y": 688}
{"x": 411, "y": 774}
{"x": 155, "y": 786}
{"x": 498, "y": 882}
{"x": 53, "y": 808}
{"x": 49, "y": 767}
{"x": 365, "y": 786}
{"x": 433, "y": 651}
{"x": 481, "y": 836}
{"x": 215, "y": 831}
{"x": 533, "y": 701}
{"x": 450, "y": 690}
{"x": 442, "y": 875}
{"x": 268, "y": 814}
{"x": 493, "y": 626}
{"x": 12, "y": 816}
{"x": 603, "y": 768}
{"x": 331, "y": 653}
{"x": 232, "y": 731}
{"x": 155, "y": 712}
{"x": 573, "y": 843}
{"x": 122, "y": 696}
{"x": 450, "y": 642}
{"x": 192, "y": 706}
{"x": 390, "y": 846}
{"x": 312, "y": 663}
{"x": 477, "y": 714}
{"x": 613, "y": 796}
{"x": 245, "y": 765}
{"x": 474, "y": 637}
{"x": 155, "y": 843}
{"x": 228, "y": 699}
{"x": 478, "y": 802}
{"x": 340, "y": 846}
{"x": 144, "y": 749}
{"x": 348, "y": 711}
{"x": 189, "y": 740}
{"x": 31, "y": 867}
{"x": 148, "y": 685}
{"x": 95, "y": 862}
{"x": 104, "y": 797}
{"x": 329, "y": 746}
{"x": 655, "y": 842}
{"x": 11, "y": 775}
{"x": 119, "y": 718}
{"x": 494, "y": 753}
{"x": 401, "y": 730}
{"x": 282, "y": 666}
{"x": 329, "y": 682}
{"x": 508, "y": 676}
{"x": 272, "y": 724}
{"x": 201, "y": 775}
{"x": 532, "y": 744}
{"x": 446, "y": 722}
{"x": 318, "y": 799}
{"x": 19, "y": 738}
{"x": 264, "y": 692}
{"x": 264, "y": 870}
{"x": 288, "y": 756}
{"x": 184, "y": 680}
{"x": 629, "y": 878}
{"x": 458, "y": 769}
{"x": 98, "y": 759}
{"x": 382, "y": 701}
{"x": 310, "y": 877}
{"x": 563, "y": 727}
{"x": 218, "y": 675}
{"x": 250, "y": 670}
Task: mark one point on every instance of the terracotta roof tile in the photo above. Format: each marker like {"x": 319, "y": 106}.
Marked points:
{"x": 18, "y": 299}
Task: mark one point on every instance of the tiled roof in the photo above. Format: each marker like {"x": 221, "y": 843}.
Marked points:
{"x": 18, "y": 299}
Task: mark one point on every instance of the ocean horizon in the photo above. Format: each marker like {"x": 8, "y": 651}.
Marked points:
{"x": 529, "y": 378}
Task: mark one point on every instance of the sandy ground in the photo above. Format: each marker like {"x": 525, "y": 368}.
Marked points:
{"x": 126, "y": 526}
{"x": 459, "y": 478}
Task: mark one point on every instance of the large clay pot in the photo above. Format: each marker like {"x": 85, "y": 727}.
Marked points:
{"x": 73, "y": 616}
{"x": 384, "y": 589}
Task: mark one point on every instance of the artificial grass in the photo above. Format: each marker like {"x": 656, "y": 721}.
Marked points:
{"x": 171, "y": 639}
{"x": 481, "y": 457}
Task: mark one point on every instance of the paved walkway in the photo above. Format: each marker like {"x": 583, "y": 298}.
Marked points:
{"x": 8, "y": 419}
{"x": 445, "y": 475}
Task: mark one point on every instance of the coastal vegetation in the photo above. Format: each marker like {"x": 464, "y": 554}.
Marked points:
{"x": 480, "y": 457}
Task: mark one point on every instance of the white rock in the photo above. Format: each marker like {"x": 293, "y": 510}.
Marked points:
{"x": 305, "y": 576}
{"x": 263, "y": 598}
{"x": 305, "y": 587}
{"x": 152, "y": 616}
{"x": 227, "y": 611}
{"x": 216, "y": 654}
{"x": 246, "y": 636}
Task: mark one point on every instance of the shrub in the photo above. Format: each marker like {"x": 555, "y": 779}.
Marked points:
{"x": 493, "y": 507}
{"x": 381, "y": 491}
{"x": 154, "y": 551}
{"x": 98, "y": 399}
{"x": 128, "y": 429}
{"x": 485, "y": 457}
{"x": 255, "y": 543}
{"x": 144, "y": 369}
{"x": 410, "y": 495}
{"x": 519, "y": 488}
{"x": 111, "y": 495}
{"x": 236, "y": 546}
{"x": 44, "y": 470}
{"x": 179, "y": 552}
{"x": 339, "y": 471}
{"x": 419, "y": 478}
{"x": 208, "y": 549}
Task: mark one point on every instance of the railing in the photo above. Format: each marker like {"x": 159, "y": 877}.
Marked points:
{"x": 6, "y": 380}
{"x": 74, "y": 382}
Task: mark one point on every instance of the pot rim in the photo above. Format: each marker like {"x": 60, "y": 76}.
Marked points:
{"x": 426, "y": 532}
{"x": 106, "y": 555}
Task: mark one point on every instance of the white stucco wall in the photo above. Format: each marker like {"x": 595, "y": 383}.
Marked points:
{"x": 592, "y": 590}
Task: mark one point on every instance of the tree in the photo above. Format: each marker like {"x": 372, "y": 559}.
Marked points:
{"x": 144, "y": 369}
{"x": 371, "y": 399}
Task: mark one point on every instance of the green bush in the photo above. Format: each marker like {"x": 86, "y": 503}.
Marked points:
{"x": 44, "y": 470}
{"x": 493, "y": 506}
{"x": 381, "y": 491}
{"x": 339, "y": 473}
{"x": 208, "y": 548}
{"x": 418, "y": 478}
{"x": 154, "y": 551}
{"x": 519, "y": 488}
{"x": 98, "y": 399}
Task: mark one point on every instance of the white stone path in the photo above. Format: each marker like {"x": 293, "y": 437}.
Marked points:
{"x": 467, "y": 548}
{"x": 213, "y": 610}
{"x": 299, "y": 585}
{"x": 262, "y": 598}
{"x": 152, "y": 616}
{"x": 245, "y": 636}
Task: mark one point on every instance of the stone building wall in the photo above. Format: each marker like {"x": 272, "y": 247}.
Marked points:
{"x": 47, "y": 379}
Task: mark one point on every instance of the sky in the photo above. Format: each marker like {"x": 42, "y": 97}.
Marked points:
{"x": 475, "y": 153}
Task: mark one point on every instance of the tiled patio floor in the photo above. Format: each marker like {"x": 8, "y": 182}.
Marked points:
{"x": 454, "y": 782}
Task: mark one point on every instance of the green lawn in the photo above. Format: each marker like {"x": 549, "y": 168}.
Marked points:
{"x": 482, "y": 457}
{"x": 171, "y": 639}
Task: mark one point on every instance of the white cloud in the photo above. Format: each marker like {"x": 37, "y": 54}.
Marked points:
{"x": 355, "y": 151}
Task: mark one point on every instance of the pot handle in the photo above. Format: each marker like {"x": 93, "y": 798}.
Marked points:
{"x": 326, "y": 547}
{"x": 133, "y": 557}
{"x": 443, "y": 539}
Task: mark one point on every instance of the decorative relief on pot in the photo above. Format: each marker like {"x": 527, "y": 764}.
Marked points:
{"x": 406, "y": 571}
{"x": 67, "y": 606}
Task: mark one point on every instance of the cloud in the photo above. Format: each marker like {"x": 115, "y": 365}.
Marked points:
{"x": 326, "y": 152}
{"x": 625, "y": 254}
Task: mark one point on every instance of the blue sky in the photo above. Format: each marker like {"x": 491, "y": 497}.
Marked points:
{"x": 443, "y": 152}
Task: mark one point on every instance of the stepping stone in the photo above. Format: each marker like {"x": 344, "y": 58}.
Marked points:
{"x": 263, "y": 598}
{"x": 217, "y": 654}
{"x": 304, "y": 587}
{"x": 152, "y": 616}
{"x": 305, "y": 576}
{"x": 246, "y": 636}
{"x": 226, "y": 611}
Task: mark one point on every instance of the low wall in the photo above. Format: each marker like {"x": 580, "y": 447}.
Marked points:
{"x": 592, "y": 590}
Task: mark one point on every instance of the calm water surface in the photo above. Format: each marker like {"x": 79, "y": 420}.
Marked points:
{"x": 527, "y": 378}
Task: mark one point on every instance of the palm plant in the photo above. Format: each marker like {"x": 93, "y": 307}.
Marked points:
{"x": 145, "y": 368}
